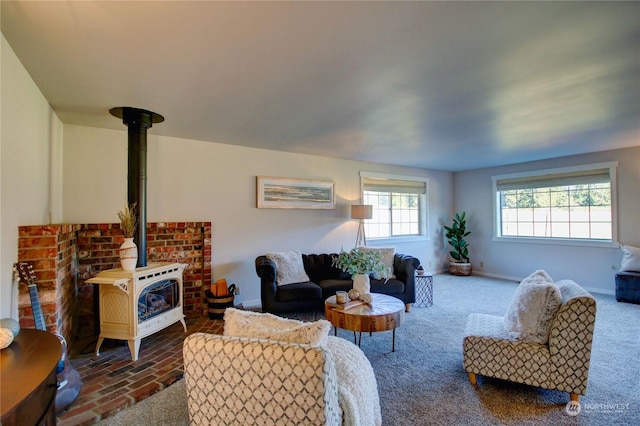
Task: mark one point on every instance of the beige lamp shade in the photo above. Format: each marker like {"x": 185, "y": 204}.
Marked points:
{"x": 361, "y": 211}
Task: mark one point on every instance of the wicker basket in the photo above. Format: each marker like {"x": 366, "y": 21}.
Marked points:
{"x": 217, "y": 305}
{"x": 462, "y": 269}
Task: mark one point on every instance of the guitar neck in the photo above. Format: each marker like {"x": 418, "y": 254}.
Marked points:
{"x": 38, "y": 316}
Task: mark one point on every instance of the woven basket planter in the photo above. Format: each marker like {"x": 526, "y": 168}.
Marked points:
{"x": 217, "y": 305}
{"x": 462, "y": 269}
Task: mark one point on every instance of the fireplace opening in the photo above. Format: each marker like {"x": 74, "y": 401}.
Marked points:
{"x": 157, "y": 298}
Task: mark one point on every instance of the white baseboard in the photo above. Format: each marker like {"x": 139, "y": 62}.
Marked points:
{"x": 517, "y": 280}
{"x": 600, "y": 291}
{"x": 255, "y": 303}
{"x": 499, "y": 277}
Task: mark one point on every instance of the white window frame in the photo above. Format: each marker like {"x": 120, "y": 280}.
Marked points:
{"x": 497, "y": 225}
{"x": 423, "y": 206}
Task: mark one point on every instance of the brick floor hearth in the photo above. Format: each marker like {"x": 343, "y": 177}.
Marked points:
{"x": 112, "y": 382}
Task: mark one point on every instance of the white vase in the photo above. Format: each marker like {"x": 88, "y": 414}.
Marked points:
{"x": 361, "y": 283}
{"x": 128, "y": 255}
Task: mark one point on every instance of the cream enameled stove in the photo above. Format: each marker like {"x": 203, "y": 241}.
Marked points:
{"x": 136, "y": 304}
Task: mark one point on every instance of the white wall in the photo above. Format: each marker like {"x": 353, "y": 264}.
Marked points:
{"x": 187, "y": 180}
{"x": 194, "y": 180}
{"x": 592, "y": 267}
{"x": 204, "y": 181}
{"x": 30, "y": 144}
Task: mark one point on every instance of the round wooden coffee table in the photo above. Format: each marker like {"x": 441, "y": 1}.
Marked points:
{"x": 28, "y": 385}
{"x": 384, "y": 313}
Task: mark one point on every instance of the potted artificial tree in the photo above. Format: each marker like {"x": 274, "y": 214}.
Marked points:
{"x": 359, "y": 264}
{"x": 459, "y": 264}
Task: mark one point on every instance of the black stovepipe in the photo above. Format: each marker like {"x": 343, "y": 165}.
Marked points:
{"x": 138, "y": 121}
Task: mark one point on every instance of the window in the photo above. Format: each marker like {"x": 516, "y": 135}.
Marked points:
{"x": 399, "y": 206}
{"x": 570, "y": 204}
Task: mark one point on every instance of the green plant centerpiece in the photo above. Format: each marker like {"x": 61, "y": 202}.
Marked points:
{"x": 128, "y": 220}
{"x": 460, "y": 264}
{"x": 359, "y": 264}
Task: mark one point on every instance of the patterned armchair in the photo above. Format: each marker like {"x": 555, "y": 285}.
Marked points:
{"x": 562, "y": 363}
{"x": 248, "y": 381}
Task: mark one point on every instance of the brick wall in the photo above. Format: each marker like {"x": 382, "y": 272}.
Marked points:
{"x": 50, "y": 251}
{"x": 65, "y": 256}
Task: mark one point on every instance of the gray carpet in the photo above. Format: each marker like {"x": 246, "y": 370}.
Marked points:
{"x": 423, "y": 382}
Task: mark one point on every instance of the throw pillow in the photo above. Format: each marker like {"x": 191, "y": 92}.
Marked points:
{"x": 533, "y": 308}
{"x": 268, "y": 326}
{"x": 387, "y": 254}
{"x": 289, "y": 267}
{"x": 630, "y": 259}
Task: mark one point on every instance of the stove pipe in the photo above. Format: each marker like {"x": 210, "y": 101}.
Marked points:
{"x": 138, "y": 121}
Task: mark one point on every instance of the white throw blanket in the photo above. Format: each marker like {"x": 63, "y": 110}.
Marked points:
{"x": 357, "y": 389}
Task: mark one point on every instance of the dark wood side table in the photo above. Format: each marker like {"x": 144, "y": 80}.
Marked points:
{"x": 28, "y": 379}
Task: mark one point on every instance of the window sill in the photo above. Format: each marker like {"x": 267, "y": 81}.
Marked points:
{"x": 396, "y": 240}
{"x": 558, "y": 241}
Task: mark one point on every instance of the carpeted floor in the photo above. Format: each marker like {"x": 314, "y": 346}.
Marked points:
{"x": 423, "y": 382}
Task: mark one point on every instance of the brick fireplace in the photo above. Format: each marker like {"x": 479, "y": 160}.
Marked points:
{"x": 65, "y": 256}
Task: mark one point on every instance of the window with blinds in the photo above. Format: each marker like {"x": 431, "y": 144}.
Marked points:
{"x": 399, "y": 205}
{"x": 572, "y": 203}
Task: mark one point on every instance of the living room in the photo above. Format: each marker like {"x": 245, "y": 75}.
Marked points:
{"x": 60, "y": 172}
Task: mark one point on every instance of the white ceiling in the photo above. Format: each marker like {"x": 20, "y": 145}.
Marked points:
{"x": 439, "y": 85}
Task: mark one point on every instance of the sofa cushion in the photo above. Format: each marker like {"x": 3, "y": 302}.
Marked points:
{"x": 533, "y": 308}
{"x": 298, "y": 291}
{"x": 387, "y": 255}
{"x": 268, "y": 326}
{"x": 628, "y": 287}
{"x": 392, "y": 286}
{"x": 320, "y": 267}
{"x": 289, "y": 267}
{"x": 329, "y": 287}
{"x": 630, "y": 259}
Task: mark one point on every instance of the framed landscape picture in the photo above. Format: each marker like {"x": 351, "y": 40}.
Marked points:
{"x": 288, "y": 193}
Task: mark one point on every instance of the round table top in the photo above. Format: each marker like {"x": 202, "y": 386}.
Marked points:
{"x": 384, "y": 313}
{"x": 25, "y": 364}
{"x": 382, "y": 304}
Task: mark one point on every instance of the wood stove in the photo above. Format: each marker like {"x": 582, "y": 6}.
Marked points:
{"x": 136, "y": 304}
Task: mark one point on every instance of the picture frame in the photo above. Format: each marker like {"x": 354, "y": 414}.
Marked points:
{"x": 291, "y": 193}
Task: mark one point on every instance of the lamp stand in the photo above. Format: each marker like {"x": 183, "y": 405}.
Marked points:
{"x": 361, "y": 240}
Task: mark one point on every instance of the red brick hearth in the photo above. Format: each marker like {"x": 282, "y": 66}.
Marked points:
{"x": 112, "y": 382}
{"x": 64, "y": 256}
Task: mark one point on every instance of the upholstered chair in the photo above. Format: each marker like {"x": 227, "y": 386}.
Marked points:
{"x": 562, "y": 363}
{"x": 234, "y": 380}
{"x": 290, "y": 373}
